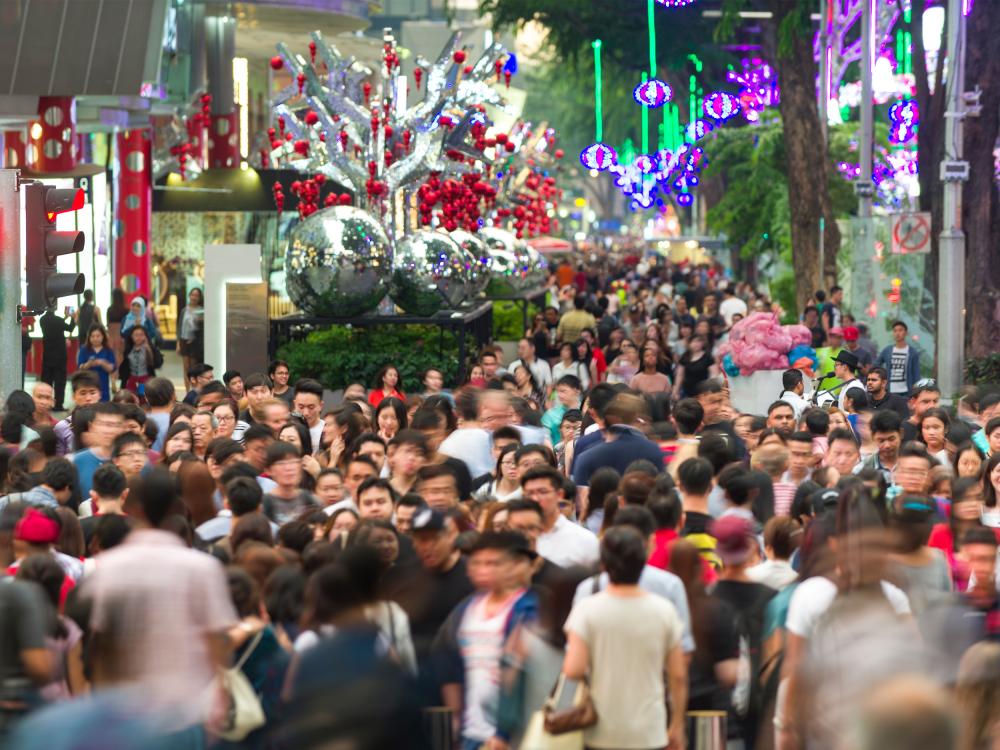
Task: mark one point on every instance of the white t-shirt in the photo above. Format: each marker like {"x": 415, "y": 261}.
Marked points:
{"x": 897, "y": 370}
{"x": 539, "y": 368}
{"x": 842, "y": 399}
{"x": 569, "y": 544}
{"x": 628, "y": 640}
{"x": 813, "y": 597}
{"x": 480, "y": 641}
{"x": 316, "y": 433}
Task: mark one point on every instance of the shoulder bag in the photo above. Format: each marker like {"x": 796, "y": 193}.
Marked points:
{"x": 245, "y": 713}
{"x": 577, "y": 716}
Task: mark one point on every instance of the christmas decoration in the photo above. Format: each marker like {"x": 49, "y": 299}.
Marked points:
{"x": 721, "y": 106}
{"x": 430, "y": 272}
{"x": 653, "y": 93}
{"x": 758, "y": 87}
{"x": 904, "y": 116}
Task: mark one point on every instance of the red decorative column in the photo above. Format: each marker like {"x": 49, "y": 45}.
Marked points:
{"x": 52, "y": 137}
{"x": 14, "y": 150}
{"x": 224, "y": 141}
{"x": 133, "y": 212}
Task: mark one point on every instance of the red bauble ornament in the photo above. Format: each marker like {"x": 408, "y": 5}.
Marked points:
{"x": 506, "y": 78}
{"x": 281, "y": 124}
{"x": 458, "y": 57}
{"x": 330, "y": 200}
{"x": 301, "y": 78}
{"x": 559, "y": 154}
{"x": 366, "y": 89}
{"x": 271, "y": 132}
{"x": 277, "y": 63}
{"x": 418, "y": 73}
{"x": 388, "y": 131}
{"x": 302, "y": 147}
{"x": 498, "y": 67}
{"x": 312, "y": 52}
{"x": 509, "y": 147}
{"x": 467, "y": 70}
{"x": 311, "y": 118}
{"x": 275, "y": 143}
{"x": 343, "y": 139}
{"x": 344, "y": 199}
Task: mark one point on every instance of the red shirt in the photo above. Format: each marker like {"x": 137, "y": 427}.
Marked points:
{"x": 376, "y": 396}
{"x": 659, "y": 557}
{"x": 600, "y": 363}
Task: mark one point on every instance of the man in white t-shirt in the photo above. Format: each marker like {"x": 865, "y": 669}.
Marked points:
{"x": 539, "y": 367}
{"x": 308, "y": 404}
{"x": 562, "y": 541}
{"x": 844, "y": 368}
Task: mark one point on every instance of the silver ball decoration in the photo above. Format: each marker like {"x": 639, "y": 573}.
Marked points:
{"x": 538, "y": 268}
{"x": 429, "y": 273}
{"x": 477, "y": 256}
{"x": 338, "y": 263}
{"x": 509, "y": 266}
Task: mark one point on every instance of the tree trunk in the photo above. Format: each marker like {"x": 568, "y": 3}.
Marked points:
{"x": 980, "y": 199}
{"x": 806, "y": 158}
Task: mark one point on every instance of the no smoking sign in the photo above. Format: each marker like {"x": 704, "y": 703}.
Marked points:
{"x": 911, "y": 233}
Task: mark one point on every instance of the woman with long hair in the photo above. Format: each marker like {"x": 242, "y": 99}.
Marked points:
{"x": 585, "y": 356}
{"x": 694, "y": 367}
{"x": 603, "y": 485}
{"x": 527, "y": 387}
{"x": 968, "y": 461}
{"x": 179, "y": 439}
{"x": 570, "y": 364}
{"x": 626, "y": 365}
{"x": 226, "y": 416}
{"x": 991, "y": 492}
{"x": 190, "y": 337}
{"x": 505, "y": 485}
{"x": 387, "y": 384}
{"x": 116, "y": 313}
{"x": 96, "y": 355}
{"x": 933, "y": 433}
{"x": 390, "y": 417}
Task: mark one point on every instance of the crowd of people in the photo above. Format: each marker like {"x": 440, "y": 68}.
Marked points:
{"x": 591, "y": 538}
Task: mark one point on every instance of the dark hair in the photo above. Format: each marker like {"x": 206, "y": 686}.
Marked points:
{"x": 790, "y": 379}
{"x": 570, "y": 381}
{"x": 380, "y": 375}
{"x": 110, "y": 531}
{"x": 603, "y": 484}
{"x": 695, "y": 476}
{"x": 181, "y": 410}
{"x": 666, "y": 510}
{"x": 817, "y": 422}
{"x": 885, "y": 421}
{"x": 411, "y": 437}
{"x": 523, "y": 504}
{"x": 85, "y": 379}
{"x": 635, "y": 487}
{"x": 914, "y": 449}
{"x": 924, "y": 387}
{"x": 308, "y": 385}
{"x": 283, "y": 592}
{"x": 623, "y": 554}
{"x": 398, "y": 408}
{"x": 715, "y": 447}
{"x": 156, "y": 493}
{"x": 842, "y": 434}
{"x": 899, "y": 323}
{"x": 377, "y": 483}
{"x": 433, "y": 471}
{"x": 238, "y": 469}
{"x": 638, "y": 517}
{"x": 274, "y": 365}
{"x": 295, "y": 535}
{"x": 542, "y": 450}
{"x": 880, "y": 371}
{"x": 258, "y": 432}
{"x": 255, "y": 380}
{"x": 59, "y": 473}
{"x": 511, "y": 543}
{"x": 222, "y": 449}
{"x": 989, "y": 493}
{"x": 912, "y": 519}
{"x": 108, "y": 481}
{"x": 228, "y": 376}
{"x": 243, "y": 591}
{"x": 243, "y": 495}
{"x": 543, "y": 472}
{"x": 782, "y": 534}
{"x": 176, "y": 429}
{"x": 253, "y": 527}
{"x": 278, "y": 451}
{"x": 43, "y": 570}
{"x": 688, "y": 415}
{"x": 959, "y": 450}
{"x": 980, "y": 535}
{"x": 858, "y": 397}
{"x": 305, "y": 437}
{"x": 778, "y": 404}
{"x": 124, "y": 440}
{"x": 737, "y": 483}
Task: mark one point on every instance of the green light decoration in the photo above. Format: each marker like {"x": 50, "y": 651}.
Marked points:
{"x": 693, "y": 91}
{"x": 598, "y": 102}
{"x": 645, "y": 123}
{"x": 651, "y": 21}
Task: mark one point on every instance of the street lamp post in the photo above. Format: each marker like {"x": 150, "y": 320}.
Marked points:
{"x": 951, "y": 254}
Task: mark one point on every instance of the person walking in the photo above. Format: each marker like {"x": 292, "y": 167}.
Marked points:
{"x": 86, "y": 316}
{"x": 54, "y": 330}
{"x": 116, "y": 313}
{"x": 191, "y": 339}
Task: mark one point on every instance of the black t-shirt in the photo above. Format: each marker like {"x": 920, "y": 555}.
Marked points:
{"x": 748, "y": 601}
{"x": 894, "y": 402}
{"x": 695, "y": 371}
{"x": 463, "y": 479}
{"x": 910, "y": 431}
{"x": 716, "y": 641}
{"x": 428, "y": 598}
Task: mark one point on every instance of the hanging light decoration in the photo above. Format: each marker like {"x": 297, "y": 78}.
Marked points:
{"x": 598, "y": 156}
{"x": 721, "y": 106}
{"x": 653, "y": 93}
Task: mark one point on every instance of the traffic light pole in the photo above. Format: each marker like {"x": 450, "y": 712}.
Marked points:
{"x": 10, "y": 281}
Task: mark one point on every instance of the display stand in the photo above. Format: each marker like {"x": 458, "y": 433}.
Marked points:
{"x": 475, "y": 321}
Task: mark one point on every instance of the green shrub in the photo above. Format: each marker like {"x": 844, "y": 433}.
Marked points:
{"x": 341, "y": 355}
{"x": 982, "y": 370}
{"x": 508, "y": 320}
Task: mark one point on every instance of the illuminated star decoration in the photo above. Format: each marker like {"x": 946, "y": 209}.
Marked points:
{"x": 758, "y": 87}
{"x": 652, "y": 94}
{"x": 904, "y": 116}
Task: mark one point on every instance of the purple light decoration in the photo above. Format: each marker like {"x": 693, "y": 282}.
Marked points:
{"x": 653, "y": 93}
{"x": 721, "y": 105}
{"x": 684, "y": 199}
{"x": 758, "y": 87}
{"x": 598, "y": 156}
{"x": 674, "y": 3}
{"x": 644, "y": 163}
{"x": 698, "y": 129}
{"x": 904, "y": 117}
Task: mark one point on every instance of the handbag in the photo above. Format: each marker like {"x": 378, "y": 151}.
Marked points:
{"x": 245, "y": 713}
{"x": 536, "y": 738}
{"x": 580, "y": 715}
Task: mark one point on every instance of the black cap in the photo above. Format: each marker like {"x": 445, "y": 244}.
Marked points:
{"x": 427, "y": 519}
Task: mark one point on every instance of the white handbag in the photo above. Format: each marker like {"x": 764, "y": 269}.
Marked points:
{"x": 245, "y": 713}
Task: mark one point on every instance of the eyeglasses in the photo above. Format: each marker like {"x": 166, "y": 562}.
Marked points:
{"x": 225, "y": 419}
{"x": 132, "y": 454}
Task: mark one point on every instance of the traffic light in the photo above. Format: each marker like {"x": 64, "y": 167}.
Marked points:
{"x": 44, "y": 244}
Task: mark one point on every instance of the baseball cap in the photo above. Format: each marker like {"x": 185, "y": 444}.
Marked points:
{"x": 734, "y": 539}
{"x": 428, "y": 519}
{"x": 851, "y": 333}
{"x": 836, "y": 331}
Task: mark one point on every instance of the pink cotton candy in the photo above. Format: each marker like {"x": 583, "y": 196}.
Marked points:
{"x": 760, "y": 342}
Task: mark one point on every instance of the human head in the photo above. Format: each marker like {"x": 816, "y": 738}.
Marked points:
{"x": 434, "y": 536}
{"x": 284, "y": 464}
{"x": 296, "y": 433}
{"x": 526, "y": 517}
{"x": 130, "y": 454}
{"x": 438, "y": 486}
{"x": 233, "y": 380}
{"x": 899, "y": 331}
{"x": 887, "y": 432}
{"x": 694, "y": 477}
{"x": 913, "y": 469}
{"x": 256, "y": 441}
{"x": 877, "y": 381}
{"x": 992, "y": 432}
{"x": 544, "y": 485}
{"x": 782, "y": 536}
{"x": 203, "y": 426}
{"x": 712, "y": 398}
{"x": 498, "y": 561}
{"x": 623, "y": 555}
{"x": 843, "y": 453}
{"x": 979, "y": 547}
{"x": 308, "y": 400}
{"x": 279, "y": 372}
{"x": 200, "y": 374}
{"x": 968, "y": 461}
{"x": 923, "y": 397}
{"x": 433, "y": 380}
{"x": 934, "y": 426}
{"x": 781, "y": 417}
{"x": 257, "y": 388}
{"x": 375, "y": 499}
{"x": 44, "y": 398}
{"x": 358, "y": 469}
{"x": 86, "y": 387}
{"x": 791, "y": 380}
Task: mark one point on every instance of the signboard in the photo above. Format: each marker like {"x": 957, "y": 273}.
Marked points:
{"x": 246, "y": 327}
{"x": 911, "y": 233}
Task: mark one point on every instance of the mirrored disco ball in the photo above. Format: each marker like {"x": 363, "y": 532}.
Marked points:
{"x": 429, "y": 273}
{"x": 509, "y": 266}
{"x": 337, "y": 263}
{"x": 477, "y": 256}
{"x": 538, "y": 268}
